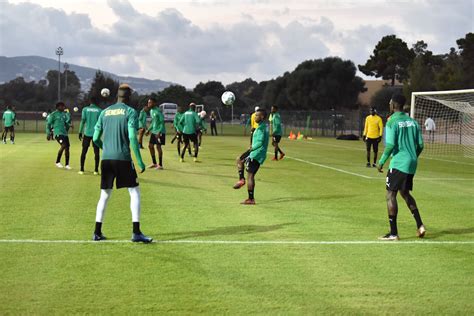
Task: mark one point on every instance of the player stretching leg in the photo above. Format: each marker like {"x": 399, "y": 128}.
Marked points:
{"x": 276, "y": 133}
{"x": 157, "y": 138}
{"x": 90, "y": 115}
{"x": 57, "y": 126}
{"x": 254, "y": 157}
{"x": 118, "y": 124}
{"x": 404, "y": 134}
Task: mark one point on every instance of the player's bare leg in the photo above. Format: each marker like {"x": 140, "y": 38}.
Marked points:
{"x": 240, "y": 169}
{"x": 151, "y": 147}
{"x": 411, "y": 203}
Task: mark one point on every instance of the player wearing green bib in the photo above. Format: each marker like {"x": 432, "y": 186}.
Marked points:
{"x": 189, "y": 123}
{"x": 117, "y": 126}
{"x": 157, "y": 137}
{"x": 9, "y": 118}
{"x": 142, "y": 125}
{"x": 178, "y": 128}
{"x": 90, "y": 115}
{"x": 276, "y": 133}
{"x": 57, "y": 126}
{"x": 404, "y": 143}
{"x": 254, "y": 157}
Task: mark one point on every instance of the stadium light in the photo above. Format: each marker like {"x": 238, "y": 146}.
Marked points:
{"x": 59, "y": 52}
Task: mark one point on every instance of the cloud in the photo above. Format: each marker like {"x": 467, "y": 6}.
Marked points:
{"x": 167, "y": 45}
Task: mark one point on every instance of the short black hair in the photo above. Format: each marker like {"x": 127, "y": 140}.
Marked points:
{"x": 59, "y": 104}
{"x": 275, "y": 106}
{"x": 152, "y": 99}
{"x": 263, "y": 111}
{"x": 399, "y": 99}
{"x": 93, "y": 100}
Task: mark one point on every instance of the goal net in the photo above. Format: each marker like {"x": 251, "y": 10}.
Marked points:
{"x": 447, "y": 121}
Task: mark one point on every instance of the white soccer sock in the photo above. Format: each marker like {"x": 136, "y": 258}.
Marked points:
{"x": 104, "y": 197}
{"x": 135, "y": 203}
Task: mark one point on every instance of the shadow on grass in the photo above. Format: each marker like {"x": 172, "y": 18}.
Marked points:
{"x": 453, "y": 231}
{"x": 201, "y": 173}
{"x": 175, "y": 185}
{"x": 225, "y": 231}
{"x": 306, "y": 198}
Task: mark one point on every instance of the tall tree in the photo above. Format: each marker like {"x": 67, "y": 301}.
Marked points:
{"x": 100, "y": 82}
{"x": 214, "y": 88}
{"x": 466, "y": 48}
{"x": 390, "y": 60}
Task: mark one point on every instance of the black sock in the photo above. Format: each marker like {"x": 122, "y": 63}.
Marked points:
{"x": 161, "y": 160}
{"x": 417, "y": 217}
{"x": 241, "y": 174}
{"x": 98, "y": 228}
{"x": 281, "y": 153}
{"x": 276, "y": 154}
{"x": 250, "y": 194}
{"x": 136, "y": 228}
{"x": 393, "y": 224}
{"x": 83, "y": 160}
{"x": 154, "y": 159}
{"x": 67, "y": 157}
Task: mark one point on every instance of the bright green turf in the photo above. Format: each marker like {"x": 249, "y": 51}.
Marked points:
{"x": 194, "y": 201}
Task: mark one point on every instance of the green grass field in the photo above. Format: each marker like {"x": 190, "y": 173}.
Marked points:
{"x": 214, "y": 256}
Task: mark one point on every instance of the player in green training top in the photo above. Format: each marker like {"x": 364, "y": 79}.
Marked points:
{"x": 179, "y": 130}
{"x": 202, "y": 127}
{"x": 90, "y": 115}
{"x": 255, "y": 157}
{"x": 189, "y": 123}
{"x": 57, "y": 126}
{"x": 9, "y": 118}
{"x": 404, "y": 142}
{"x": 142, "y": 125}
{"x": 276, "y": 133}
{"x": 117, "y": 125}
{"x": 157, "y": 137}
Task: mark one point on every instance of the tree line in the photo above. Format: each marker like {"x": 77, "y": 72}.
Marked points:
{"x": 319, "y": 84}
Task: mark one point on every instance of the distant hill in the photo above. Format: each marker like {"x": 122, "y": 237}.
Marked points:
{"x": 34, "y": 68}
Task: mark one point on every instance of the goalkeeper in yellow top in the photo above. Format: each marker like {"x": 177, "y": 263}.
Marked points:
{"x": 373, "y": 131}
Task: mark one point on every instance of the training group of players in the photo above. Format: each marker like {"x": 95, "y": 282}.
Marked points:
{"x": 114, "y": 130}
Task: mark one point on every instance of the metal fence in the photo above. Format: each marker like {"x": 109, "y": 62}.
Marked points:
{"x": 310, "y": 123}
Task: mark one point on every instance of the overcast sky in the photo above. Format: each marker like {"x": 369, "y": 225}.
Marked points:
{"x": 191, "y": 41}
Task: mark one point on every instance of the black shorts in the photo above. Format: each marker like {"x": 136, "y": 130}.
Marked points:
{"x": 397, "y": 180}
{"x": 252, "y": 165}
{"x": 276, "y": 138}
{"x": 155, "y": 140}
{"x": 189, "y": 137}
{"x": 245, "y": 155}
{"x": 10, "y": 129}
{"x": 372, "y": 142}
{"x": 62, "y": 140}
{"x": 122, "y": 171}
{"x": 86, "y": 142}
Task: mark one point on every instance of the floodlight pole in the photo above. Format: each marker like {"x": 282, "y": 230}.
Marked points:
{"x": 59, "y": 52}
{"x": 66, "y": 67}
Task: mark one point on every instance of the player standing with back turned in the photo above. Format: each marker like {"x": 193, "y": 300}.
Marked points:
{"x": 118, "y": 125}
{"x": 404, "y": 142}
{"x": 90, "y": 115}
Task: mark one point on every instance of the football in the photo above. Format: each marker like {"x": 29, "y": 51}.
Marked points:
{"x": 105, "y": 92}
{"x": 44, "y": 114}
{"x": 76, "y": 109}
{"x": 228, "y": 98}
{"x": 202, "y": 114}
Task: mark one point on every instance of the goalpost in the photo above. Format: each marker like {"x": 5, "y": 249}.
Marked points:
{"x": 447, "y": 121}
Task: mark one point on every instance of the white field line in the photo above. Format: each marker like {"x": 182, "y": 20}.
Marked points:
{"x": 361, "y": 149}
{"x": 373, "y": 178}
{"x": 249, "y": 242}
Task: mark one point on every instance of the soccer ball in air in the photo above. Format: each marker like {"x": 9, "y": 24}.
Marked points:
{"x": 105, "y": 92}
{"x": 76, "y": 109}
{"x": 202, "y": 114}
{"x": 228, "y": 98}
{"x": 44, "y": 114}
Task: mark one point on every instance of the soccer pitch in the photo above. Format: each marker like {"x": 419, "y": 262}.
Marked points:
{"x": 309, "y": 246}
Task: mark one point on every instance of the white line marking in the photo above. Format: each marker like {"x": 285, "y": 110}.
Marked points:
{"x": 361, "y": 149}
{"x": 245, "y": 242}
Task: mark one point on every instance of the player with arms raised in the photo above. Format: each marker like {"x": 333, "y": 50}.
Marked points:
{"x": 117, "y": 125}
{"x": 404, "y": 142}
